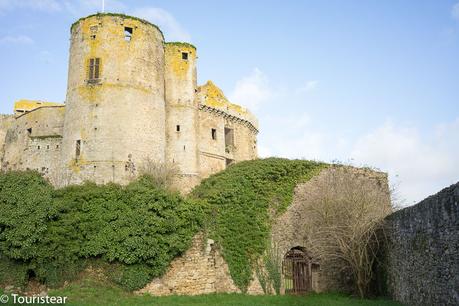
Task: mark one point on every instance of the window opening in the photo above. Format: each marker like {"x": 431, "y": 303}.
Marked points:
{"x": 128, "y": 33}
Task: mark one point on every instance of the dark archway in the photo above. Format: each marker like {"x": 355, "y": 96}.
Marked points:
{"x": 297, "y": 272}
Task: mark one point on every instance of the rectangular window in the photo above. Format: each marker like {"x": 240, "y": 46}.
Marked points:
{"x": 127, "y": 33}
{"x": 229, "y": 140}
{"x": 185, "y": 55}
{"x": 94, "y": 69}
{"x": 229, "y": 137}
{"x": 78, "y": 148}
{"x": 178, "y": 128}
{"x": 214, "y": 134}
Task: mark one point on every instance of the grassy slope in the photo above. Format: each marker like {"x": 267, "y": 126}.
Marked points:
{"x": 91, "y": 292}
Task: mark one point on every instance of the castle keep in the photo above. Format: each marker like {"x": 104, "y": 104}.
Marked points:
{"x": 131, "y": 99}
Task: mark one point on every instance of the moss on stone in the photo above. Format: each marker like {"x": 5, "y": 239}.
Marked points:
{"x": 117, "y": 15}
{"x": 180, "y": 44}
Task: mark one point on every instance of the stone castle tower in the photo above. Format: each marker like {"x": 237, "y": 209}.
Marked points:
{"x": 132, "y": 100}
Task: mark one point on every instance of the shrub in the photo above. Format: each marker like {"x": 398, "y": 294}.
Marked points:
{"x": 13, "y": 272}
{"x": 140, "y": 226}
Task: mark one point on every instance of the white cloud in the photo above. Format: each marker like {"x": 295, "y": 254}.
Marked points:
{"x": 75, "y": 7}
{"x": 41, "y": 5}
{"x": 19, "y": 39}
{"x": 308, "y": 87}
{"x": 252, "y": 90}
{"x": 419, "y": 162}
{"x": 455, "y": 11}
{"x": 423, "y": 163}
{"x": 81, "y": 8}
{"x": 172, "y": 29}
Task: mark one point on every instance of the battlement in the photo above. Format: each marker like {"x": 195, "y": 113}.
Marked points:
{"x": 132, "y": 98}
{"x": 212, "y": 99}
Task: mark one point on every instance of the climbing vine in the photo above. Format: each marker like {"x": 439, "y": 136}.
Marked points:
{"x": 243, "y": 199}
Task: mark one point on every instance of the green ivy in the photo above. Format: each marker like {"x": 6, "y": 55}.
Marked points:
{"x": 243, "y": 199}
{"x": 139, "y": 226}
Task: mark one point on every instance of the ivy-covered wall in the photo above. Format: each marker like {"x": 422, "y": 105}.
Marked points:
{"x": 423, "y": 251}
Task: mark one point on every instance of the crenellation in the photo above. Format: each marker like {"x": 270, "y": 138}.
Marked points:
{"x": 132, "y": 99}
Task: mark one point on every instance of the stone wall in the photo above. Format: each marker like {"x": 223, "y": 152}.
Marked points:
{"x": 423, "y": 251}
{"x": 118, "y": 118}
{"x": 200, "y": 270}
{"x": 182, "y": 113}
{"x": 33, "y": 141}
{"x": 143, "y": 107}
{"x": 289, "y": 229}
{"x": 227, "y": 132}
{"x": 5, "y": 123}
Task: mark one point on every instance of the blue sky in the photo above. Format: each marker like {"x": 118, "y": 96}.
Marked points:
{"x": 368, "y": 82}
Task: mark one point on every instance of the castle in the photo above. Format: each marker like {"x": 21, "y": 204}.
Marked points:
{"x": 132, "y": 99}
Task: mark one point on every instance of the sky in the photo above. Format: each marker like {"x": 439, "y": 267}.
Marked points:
{"x": 370, "y": 83}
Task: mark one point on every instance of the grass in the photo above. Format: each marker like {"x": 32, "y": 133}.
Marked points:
{"x": 92, "y": 292}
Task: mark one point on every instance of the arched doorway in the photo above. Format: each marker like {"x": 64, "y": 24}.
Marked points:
{"x": 297, "y": 272}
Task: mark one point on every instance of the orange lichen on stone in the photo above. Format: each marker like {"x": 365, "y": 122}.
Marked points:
{"x": 23, "y": 106}
{"x": 173, "y": 53}
{"x": 214, "y": 97}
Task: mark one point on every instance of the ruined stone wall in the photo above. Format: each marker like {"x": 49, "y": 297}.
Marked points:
{"x": 200, "y": 270}
{"x": 144, "y": 106}
{"x": 212, "y": 151}
{"x": 33, "y": 141}
{"x": 289, "y": 229}
{"x": 423, "y": 251}
{"x": 216, "y": 154}
{"x": 5, "y": 123}
{"x": 217, "y": 113}
{"x": 119, "y": 118}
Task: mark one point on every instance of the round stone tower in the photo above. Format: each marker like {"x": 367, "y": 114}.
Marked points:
{"x": 115, "y": 106}
{"x": 182, "y": 112}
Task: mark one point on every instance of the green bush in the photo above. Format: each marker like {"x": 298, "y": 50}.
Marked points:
{"x": 53, "y": 231}
{"x": 243, "y": 199}
{"x": 13, "y": 272}
{"x": 25, "y": 202}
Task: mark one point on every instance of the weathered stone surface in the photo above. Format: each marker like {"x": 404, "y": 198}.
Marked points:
{"x": 423, "y": 251}
{"x": 200, "y": 270}
{"x": 289, "y": 230}
{"x": 144, "y": 106}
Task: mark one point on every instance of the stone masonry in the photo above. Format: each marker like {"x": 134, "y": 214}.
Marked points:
{"x": 423, "y": 251}
{"x": 289, "y": 229}
{"x": 132, "y": 99}
{"x": 200, "y": 270}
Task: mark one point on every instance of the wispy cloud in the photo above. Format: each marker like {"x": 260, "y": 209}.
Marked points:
{"x": 80, "y": 8}
{"x": 18, "y": 39}
{"x": 308, "y": 87}
{"x": 41, "y": 5}
{"x": 455, "y": 11}
{"x": 423, "y": 163}
{"x": 171, "y": 27}
{"x": 253, "y": 90}
{"x": 74, "y": 7}
{"x": 166, "y": 21}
